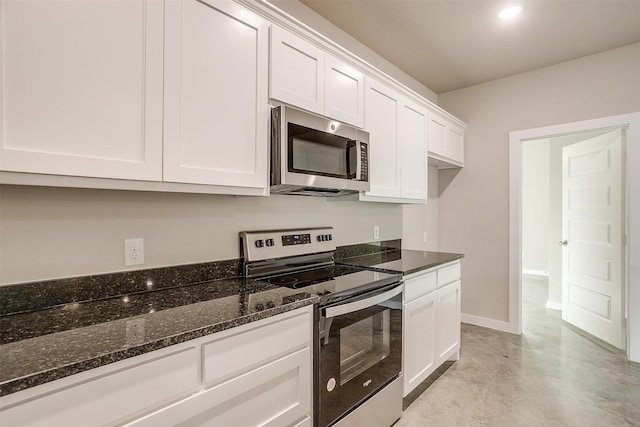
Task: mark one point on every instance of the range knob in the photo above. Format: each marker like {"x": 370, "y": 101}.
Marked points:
{"x": 259, "y": 243}
{"x": 271, "y": 304}
{"x": 320, "y": 238}
{"x": 328, "y": 237}
{"x": 269, "y": 242}
{"x": 259, "y": 306}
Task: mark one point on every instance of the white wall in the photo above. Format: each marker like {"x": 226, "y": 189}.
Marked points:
{"x": 474, "y": 210}
{"x": 50, "y": 233}
{"x": 420, "y": 219}
{"x": 535, "y": 206}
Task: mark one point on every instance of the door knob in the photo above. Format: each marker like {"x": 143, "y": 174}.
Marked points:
{"x": 563, "y": 243}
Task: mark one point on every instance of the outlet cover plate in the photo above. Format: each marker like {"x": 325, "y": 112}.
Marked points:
{"x": 133, "y": 252}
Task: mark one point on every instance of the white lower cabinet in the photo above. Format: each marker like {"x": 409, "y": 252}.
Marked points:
{"x": 271, "y": 395}
{"x": 187, "y": 384}
{"x": 448, "y": 321}
{"x": 419, "y": 338}
{"x": 431, "y": 322}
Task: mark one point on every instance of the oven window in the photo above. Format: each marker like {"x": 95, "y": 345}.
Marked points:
{"x": 363, "y": 344}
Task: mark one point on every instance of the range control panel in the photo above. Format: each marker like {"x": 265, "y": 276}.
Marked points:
{"x": 262, "y": 245}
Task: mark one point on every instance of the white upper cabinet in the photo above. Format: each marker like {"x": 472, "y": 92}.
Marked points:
{"x": 446, "y": 142}
{"x": 344, "y": 92}
{"x": 382, "y": 105}
{"x": 81, "y": 87}
{"x": 305, "y": 76}
{"x": 297, "y": 71}
{"x": 397, "y": 146}
{"x": 412, "y": 136}
{"x": 216, "y": 112}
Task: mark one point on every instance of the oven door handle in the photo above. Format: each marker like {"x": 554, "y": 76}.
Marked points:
{"x": 363, "y": 303}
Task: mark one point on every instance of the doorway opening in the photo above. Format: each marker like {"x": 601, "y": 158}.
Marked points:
{"x": 573, "y": 200}
{"x": 631, "y": 195}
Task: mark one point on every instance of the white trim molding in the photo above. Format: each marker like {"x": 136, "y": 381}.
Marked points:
{"x": 629, "y": 121}
{"x": 554, "y": 305}
{"x": 498, "y": 325}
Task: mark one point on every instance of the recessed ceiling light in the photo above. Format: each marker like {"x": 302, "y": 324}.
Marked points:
{"x": 510, "y": 11}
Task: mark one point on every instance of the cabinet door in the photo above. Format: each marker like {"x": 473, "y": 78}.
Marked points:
{"x": 437, "y": 135}
{"x": 455, "y": 144}
{"x": 412, "y": 139}
{"x": 297, "y": 71}
{"x": 81, "y": 88}
{"x": 447, "y": 321}
{"x": 381, "y": 120}
{"x": 116, "y": 392}
{"x": 419, "y": 354}
{"x": 276, "y": 394}
{"x": 216, "y": 107}
{"x": 344, "y": 92}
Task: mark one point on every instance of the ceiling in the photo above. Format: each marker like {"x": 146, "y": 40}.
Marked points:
{"x": 451, "y": 44}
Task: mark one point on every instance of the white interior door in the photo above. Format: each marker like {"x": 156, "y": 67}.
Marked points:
{"x": 592, "y": 229}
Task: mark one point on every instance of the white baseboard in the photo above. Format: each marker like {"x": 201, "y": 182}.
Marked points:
{"x": 498, "y": 325}
{"x": 554, "y": 305}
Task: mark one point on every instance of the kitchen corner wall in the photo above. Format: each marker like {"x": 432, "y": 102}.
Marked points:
{"x": 48, "y": 232}
{"x": 420, "y": 219}
{"x": 474, "y": 208}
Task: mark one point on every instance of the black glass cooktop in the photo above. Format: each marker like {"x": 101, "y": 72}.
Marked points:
{"x": 333, "y": 283}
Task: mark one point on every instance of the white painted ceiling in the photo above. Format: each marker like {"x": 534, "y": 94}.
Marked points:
{"x": 451, "y": 44}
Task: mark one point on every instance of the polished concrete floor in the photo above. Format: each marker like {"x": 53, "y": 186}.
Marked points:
{"x": 548, "y": 376}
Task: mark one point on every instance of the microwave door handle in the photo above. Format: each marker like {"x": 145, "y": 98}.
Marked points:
{"x": 352, "y": 159}
{"x": 363, "y": 303}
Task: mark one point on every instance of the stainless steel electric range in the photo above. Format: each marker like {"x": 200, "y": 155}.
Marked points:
{"x": 358, "y": 334}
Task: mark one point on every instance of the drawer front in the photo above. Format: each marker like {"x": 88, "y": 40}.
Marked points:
{"x": 112, "y": 396}
{"x": 234, "y": 354}
{"x": 276, "y": 394}
{"x": 417, "y": 286}
{"x": 448, "y": 274}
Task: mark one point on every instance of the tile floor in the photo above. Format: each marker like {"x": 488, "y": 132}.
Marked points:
{"x": 548, "y": 376}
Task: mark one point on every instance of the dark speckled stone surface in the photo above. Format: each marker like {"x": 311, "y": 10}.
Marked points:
{"x": 38, "y": 346}
{"x": 53, "y": 329}
{"x": 401, "y": 261}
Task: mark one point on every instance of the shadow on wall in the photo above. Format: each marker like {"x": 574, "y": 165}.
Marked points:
{"x": 445, "y": 176}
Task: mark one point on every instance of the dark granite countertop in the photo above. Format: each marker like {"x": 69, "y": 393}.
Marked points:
{"x": 53, "y": 329}
{"x": 401, "y": 261}
{"x": 42, "y": 344}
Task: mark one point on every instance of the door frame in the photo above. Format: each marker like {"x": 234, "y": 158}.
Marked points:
{"x": 632, "y": 215}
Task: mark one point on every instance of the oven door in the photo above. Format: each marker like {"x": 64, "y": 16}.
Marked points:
{"x": 360, "y": 351}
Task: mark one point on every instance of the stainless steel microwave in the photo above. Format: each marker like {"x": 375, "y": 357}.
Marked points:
{"x": 316, "y": 156}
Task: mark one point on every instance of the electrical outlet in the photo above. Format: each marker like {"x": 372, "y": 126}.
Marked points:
{"x": 133, "y": 251}
{"x": 135, "y": 331}
{"x": 376, "y": 232}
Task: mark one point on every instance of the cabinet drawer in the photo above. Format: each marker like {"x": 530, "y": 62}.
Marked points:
{"x": 231, "y": 355}
{"x": 111, "y": 396}
{"x": 448, "y": 274}
{"x": 419, "y": 285}
{"x": 276, "y": 394}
